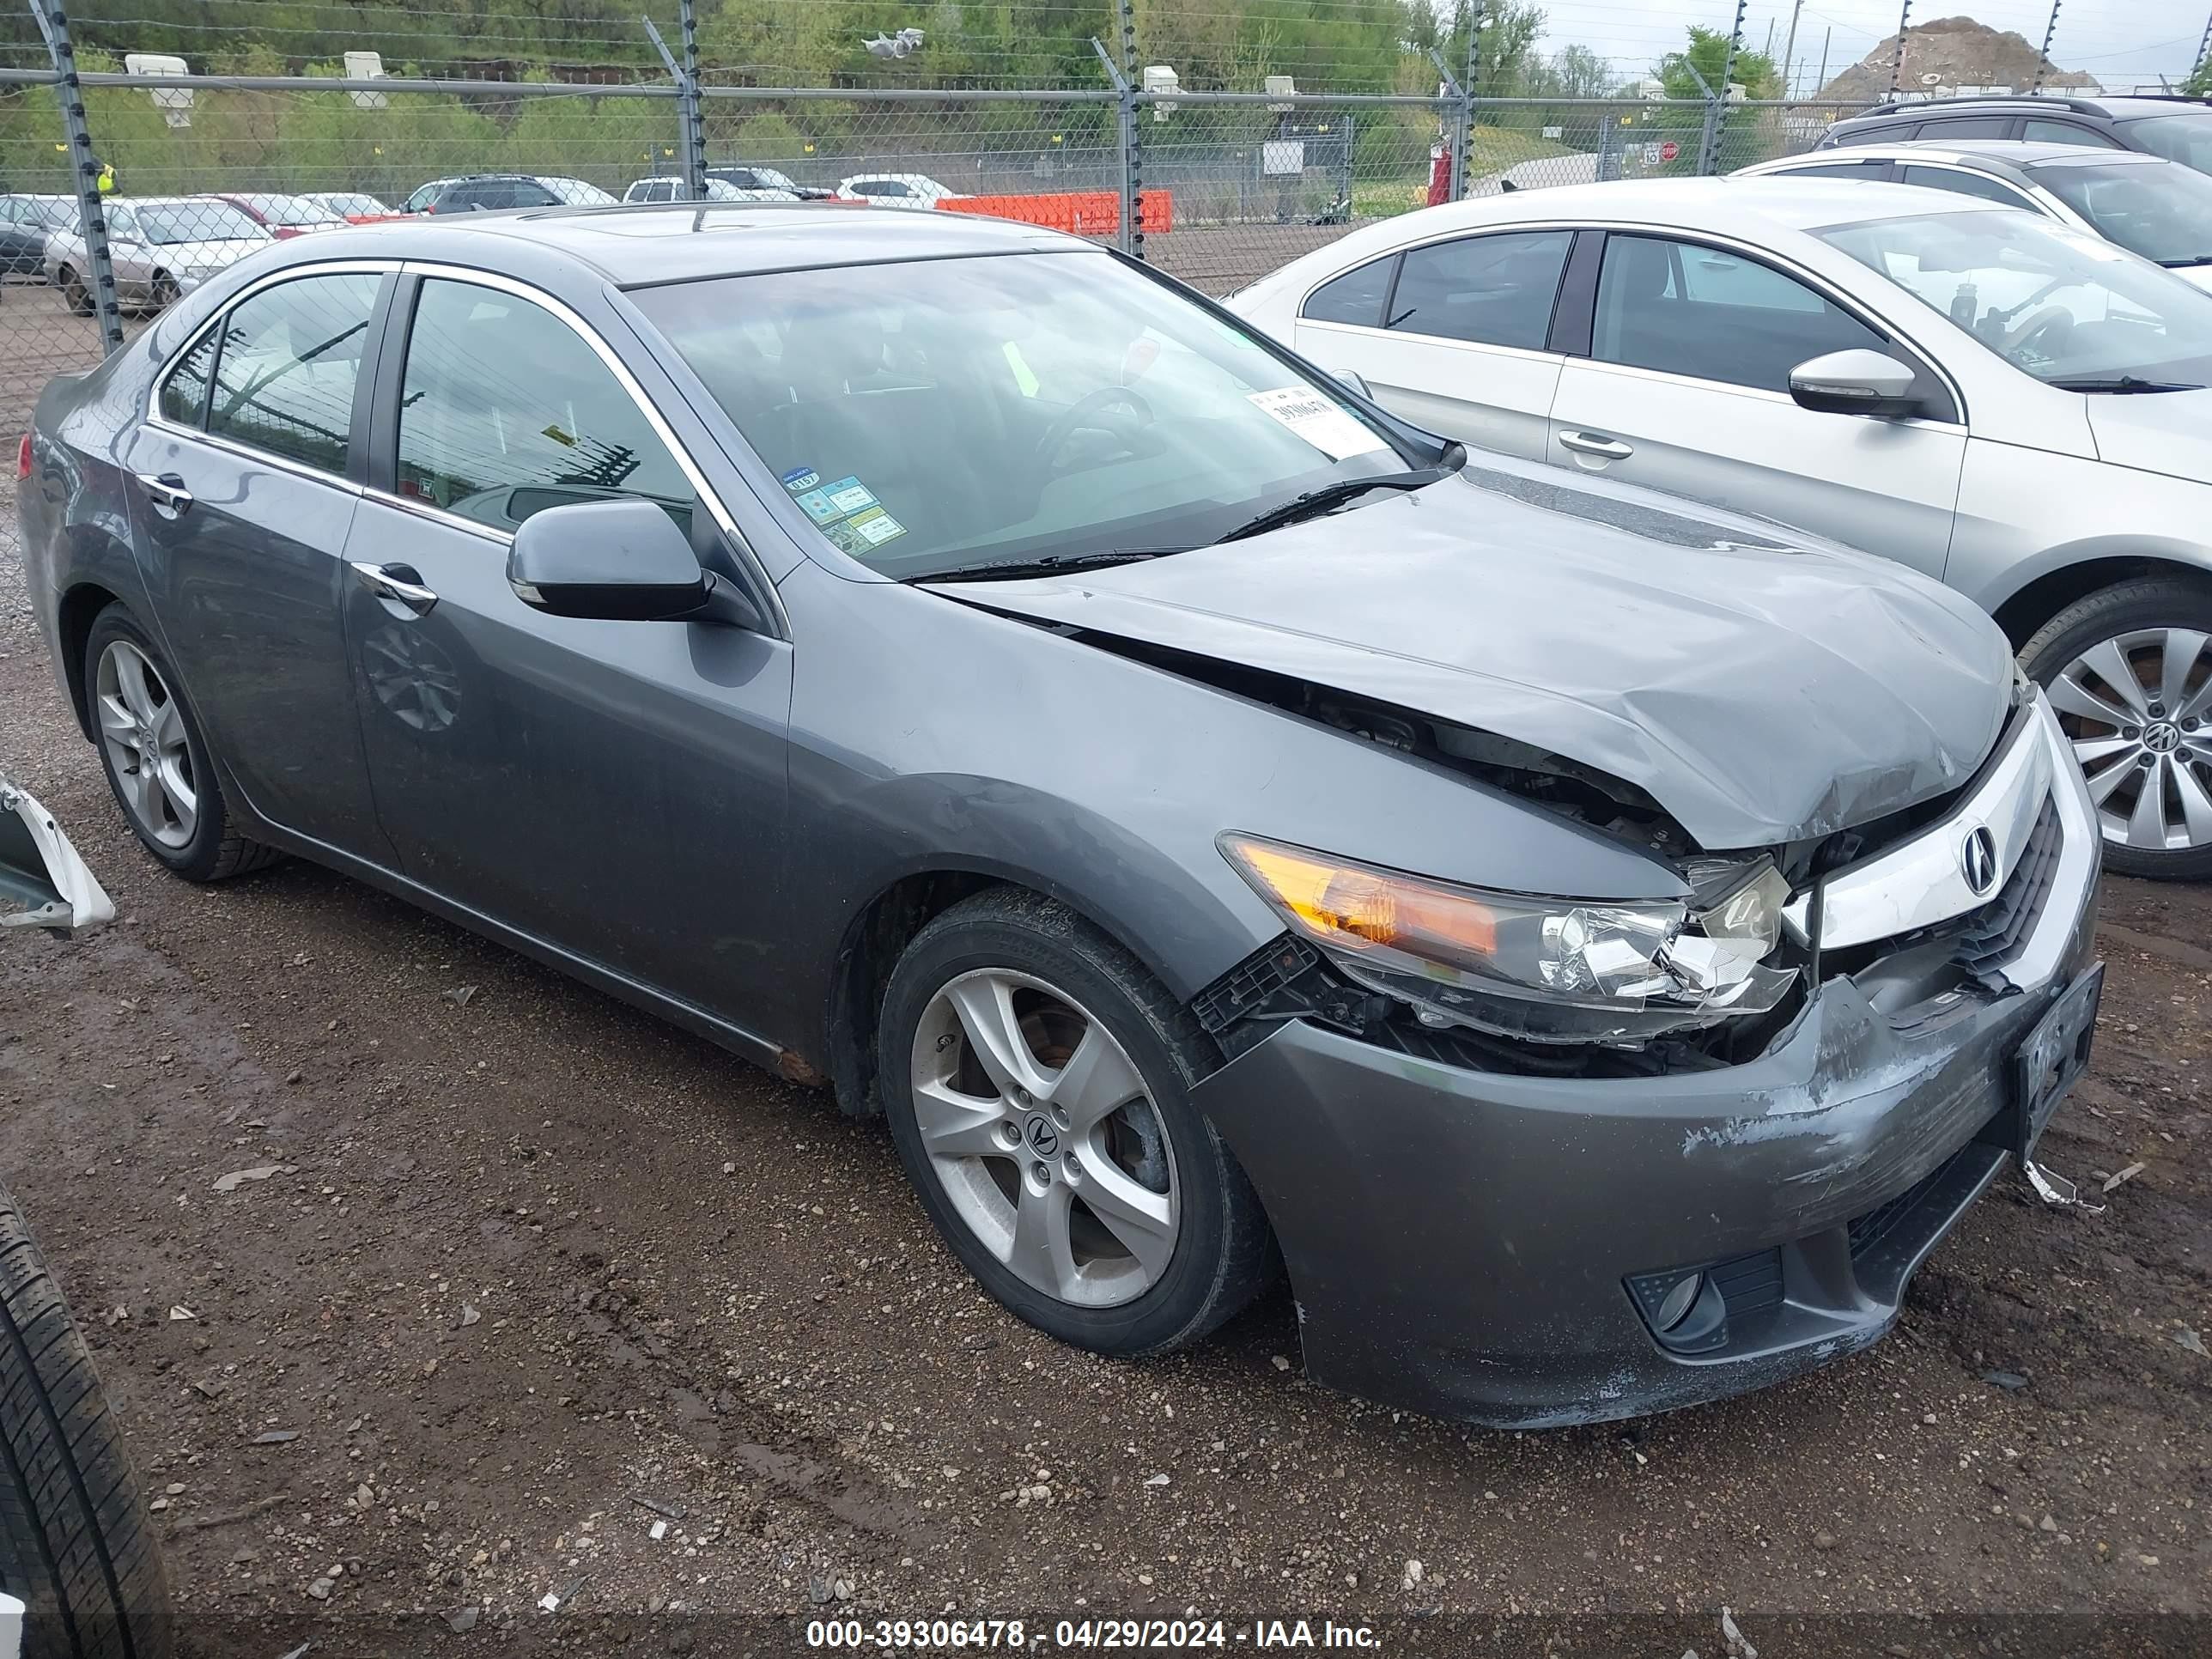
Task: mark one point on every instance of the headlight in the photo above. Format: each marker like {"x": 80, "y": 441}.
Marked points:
{"x": 1544, "y": 970}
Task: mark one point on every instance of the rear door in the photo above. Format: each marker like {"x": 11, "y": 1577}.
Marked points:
{"x": 613, "y": 788}
{"x": 244, "y": 496}
{"x": 1686, "y": 387}
{"x": 1454, "y": 335}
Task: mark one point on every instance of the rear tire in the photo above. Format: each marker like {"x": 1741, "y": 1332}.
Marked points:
{"x": 2129, "y": 672}
{"x": 74, "y": 293}
{"x": 1157, "y": 1236}
{"x": 197, "y": 841}
{"x": 76, "y": 1545}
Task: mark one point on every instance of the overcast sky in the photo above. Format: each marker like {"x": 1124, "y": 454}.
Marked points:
{"x": 2118, "y": 41}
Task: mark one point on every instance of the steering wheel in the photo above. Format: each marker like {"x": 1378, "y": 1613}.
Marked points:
{"x": 1085, "y": 414}
{"x": 2046, "y": 330}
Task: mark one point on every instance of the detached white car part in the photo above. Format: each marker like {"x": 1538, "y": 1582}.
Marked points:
{"x": 43, "y": 882}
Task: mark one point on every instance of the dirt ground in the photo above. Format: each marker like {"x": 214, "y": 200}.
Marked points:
{"x": 528, "y": 1273}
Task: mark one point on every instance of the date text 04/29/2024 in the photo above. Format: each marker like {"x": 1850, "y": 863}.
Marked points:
{"x": 1137, "y": 1635}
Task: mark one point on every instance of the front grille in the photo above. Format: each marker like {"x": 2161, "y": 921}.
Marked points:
{"x": 1990, "y": 937}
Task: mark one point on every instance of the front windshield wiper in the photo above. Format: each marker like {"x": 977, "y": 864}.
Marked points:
{"x": 2119, "y": 384}
{"x": 1314, "y": 502}
{"x": 1044, "y": 564}
{"x": 2193, "y": 259}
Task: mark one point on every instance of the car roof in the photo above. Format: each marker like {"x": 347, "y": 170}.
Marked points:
{"x": 641, "y": 244}
{"x": 2120, "y": 107}
{"x": 1778, "y": 200}
{"x": 2016, "y": 153}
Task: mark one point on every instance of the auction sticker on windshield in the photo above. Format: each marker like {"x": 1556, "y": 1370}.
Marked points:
{"x": 1320, "y": 421}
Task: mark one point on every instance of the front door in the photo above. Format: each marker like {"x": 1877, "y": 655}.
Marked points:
{"x": 1687, "y": 389}
{"x": 612, "y": 789}
{"x": 1452, "y": 335}
{"x": 243, "y": 505}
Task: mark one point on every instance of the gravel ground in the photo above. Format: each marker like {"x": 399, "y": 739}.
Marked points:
{"x": 521, "y": 1265}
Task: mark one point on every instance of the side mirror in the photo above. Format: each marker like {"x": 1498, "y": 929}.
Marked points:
{"x": 1857, "y": 382}
{"x": 618, "y": 560}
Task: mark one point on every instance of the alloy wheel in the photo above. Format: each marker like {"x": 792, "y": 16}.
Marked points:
{"x": 142, "y": 731}
{"x": 1039, "y": 1128}
{"x": 2139, "y": 709}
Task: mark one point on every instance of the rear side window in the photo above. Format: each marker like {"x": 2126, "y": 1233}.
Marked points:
{"x": 1859, "y": 170}
{"x": 1875, "y": 132}
{"x": 1355, "y": 297}
{"x": 290, "y": 357}
{"x": 1965, "y": 184}
{"x": 1968, "y": 126}
{"x": 184, "y": 394}
{"x": 505, "y": 411}
{"x": 1491, "y": 290}
{"x": 1713, "y": 315}
{"x": 2065, "y": 132}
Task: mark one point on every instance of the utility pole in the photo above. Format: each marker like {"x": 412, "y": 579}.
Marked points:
{"x": 1827, "y": 40}
{"x": 1789, "y": 52}
{"x": 1897, "y": 69}
{"x": 2043, "y": 60}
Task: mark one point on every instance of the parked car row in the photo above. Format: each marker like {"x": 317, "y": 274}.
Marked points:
{"x": 1596, "y": 943}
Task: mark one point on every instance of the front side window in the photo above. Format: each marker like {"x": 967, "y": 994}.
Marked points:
{"x": 2163, "y": 213}
{"x": 938, "y": 416}
{"x": 1962, "y": 183}
{"x": 421, "y": 198}
{"x": 1356, "y": 296}
{"x": 2055, "y": 303}
{"x": 504, "y": 411}
{"x": 1491, "y": 290}
{"x": 1713, "y": 315}
{"x": 289, "y": 359}
{"x": 1857, "y": 170}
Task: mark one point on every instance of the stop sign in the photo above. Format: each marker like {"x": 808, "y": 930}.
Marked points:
{"x": 1669, "y": 150}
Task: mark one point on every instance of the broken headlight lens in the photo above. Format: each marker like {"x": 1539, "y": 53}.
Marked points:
{"x": 1544, "y": 970}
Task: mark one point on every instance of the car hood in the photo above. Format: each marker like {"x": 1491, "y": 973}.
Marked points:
{"x": 2169, "y": 432}
{"x": 1762, "y": 687}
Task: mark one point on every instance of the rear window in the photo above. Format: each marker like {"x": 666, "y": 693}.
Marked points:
{"x": 2184, "y": 138}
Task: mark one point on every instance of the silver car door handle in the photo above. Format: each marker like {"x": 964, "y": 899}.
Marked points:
{"x": 166, "y": 488}
{"x": 374, "y": 577}
{"x": 1588, "y": 443}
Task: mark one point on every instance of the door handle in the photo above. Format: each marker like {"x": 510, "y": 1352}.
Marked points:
{"x": 381, "y": 580}
{"x": 1588, "y": 443}
{"x": 168, "y": 491}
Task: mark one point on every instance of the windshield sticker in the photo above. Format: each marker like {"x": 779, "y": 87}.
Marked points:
{"x": 816, "y": 505}
{"x": 849, "y": 495}
{"x": 1024, "y": 377}
{"x": 865, "y": 531}
{"x": 801, "y": 477}
{"x": 1321, "y": 423}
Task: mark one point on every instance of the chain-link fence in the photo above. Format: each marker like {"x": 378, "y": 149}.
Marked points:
{"x": 147, "y": 144}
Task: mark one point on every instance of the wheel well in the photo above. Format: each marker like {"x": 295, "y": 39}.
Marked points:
{"x": 2049, "y": 594}
{"x": 872, "y": 946}
{"x": 79, "y": 607}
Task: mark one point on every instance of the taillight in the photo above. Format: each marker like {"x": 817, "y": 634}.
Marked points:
{"x": 23, "y": 457}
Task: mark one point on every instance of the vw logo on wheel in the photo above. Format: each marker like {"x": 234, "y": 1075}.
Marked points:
{"x": 1978, "y": 859}
{"x": 1044, "y": 1140}
{"x": 2162, "y": 737}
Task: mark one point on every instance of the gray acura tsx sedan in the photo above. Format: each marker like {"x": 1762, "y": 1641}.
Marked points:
{"x": 1597, "y": 946}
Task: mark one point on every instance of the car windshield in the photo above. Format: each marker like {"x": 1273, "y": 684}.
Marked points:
{"x": 168, "y": 223}
{"x": 349, "y": 204}
{"x": 288, "y": 210}
{"x": 2054, "y": 301}
{"x": 58, "y": 214}
{"x": 941, "y": 416}
{"x": 2163, "y": 213}
{"x": 2184, "y": 138}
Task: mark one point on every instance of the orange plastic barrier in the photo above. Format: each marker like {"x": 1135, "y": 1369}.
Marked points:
{"x": 1084, "y": 212}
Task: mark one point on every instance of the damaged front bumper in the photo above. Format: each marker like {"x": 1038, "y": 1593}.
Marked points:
{"x": 1506, "y": 1248}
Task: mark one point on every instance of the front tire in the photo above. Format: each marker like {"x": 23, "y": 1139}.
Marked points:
{"x": 2129, "y": 673}
{"x": 157, "y": 762}
{"x": 76, "y": 1546}
{"x": 73, "y": 292}
{"x": 1038, "y": 1081}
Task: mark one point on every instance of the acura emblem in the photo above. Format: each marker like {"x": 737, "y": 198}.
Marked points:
{"x": 1979, "y": 859}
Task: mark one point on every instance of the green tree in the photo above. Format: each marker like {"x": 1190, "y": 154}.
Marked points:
{"x": 1707, "y": 55}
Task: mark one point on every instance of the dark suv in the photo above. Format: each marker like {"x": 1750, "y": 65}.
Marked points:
{"x": 2179, "y": 129}
{"x": 480, "y": 192}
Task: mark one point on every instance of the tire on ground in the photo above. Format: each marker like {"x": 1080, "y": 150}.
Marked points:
{"x": 76, "y": 1545}
{"x": 1224, "y": 1254}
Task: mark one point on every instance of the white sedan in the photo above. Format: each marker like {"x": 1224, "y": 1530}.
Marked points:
{"x": 2016, "y": 407}
{"x": 664, "y": 189}
{"x": 897, "y": 189}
